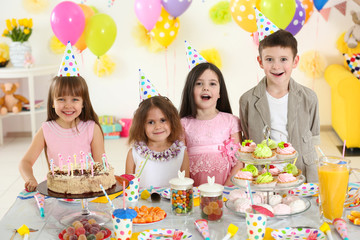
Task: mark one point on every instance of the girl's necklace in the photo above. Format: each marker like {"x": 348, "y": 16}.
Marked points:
{"x": 163, "y": 156}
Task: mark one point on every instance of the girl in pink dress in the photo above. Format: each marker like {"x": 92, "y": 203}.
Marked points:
{"x": 208, "y": 122}
{"x": 72, "y": 125}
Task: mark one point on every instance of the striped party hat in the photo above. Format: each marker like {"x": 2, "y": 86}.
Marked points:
{"x": 146, "y": 88}
{"x": 193, "y": 57}
{"x": 68, "y": 67}
{"x": 264, "y": 26}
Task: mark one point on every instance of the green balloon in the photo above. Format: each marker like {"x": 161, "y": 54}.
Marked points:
{"x": 100, "y": 33}
{"x": 280, "y": 12}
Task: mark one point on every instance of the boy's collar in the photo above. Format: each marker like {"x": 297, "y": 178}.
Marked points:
{"x": 261, "y": 87}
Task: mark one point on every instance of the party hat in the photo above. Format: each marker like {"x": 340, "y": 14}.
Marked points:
{"x": 193, "y": 57}
{"x": 68, "y": 67}
{"x": 264, "y": 26}
{"x": 341, "y": 228}
{"x": 147, "y": 89}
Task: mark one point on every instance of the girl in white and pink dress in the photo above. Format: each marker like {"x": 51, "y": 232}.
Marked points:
{"x": 208, "y": 122}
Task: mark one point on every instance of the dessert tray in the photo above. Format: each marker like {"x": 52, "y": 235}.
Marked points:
{"x": 267, "y": 161}
{"x": 230, "y": 205}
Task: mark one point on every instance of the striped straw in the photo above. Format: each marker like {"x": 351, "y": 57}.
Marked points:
{"x": 250, "y": 193}
{"x": 112, "y": 205}
{"x": 142, "y": 167}
{"x": 322, "y": 153}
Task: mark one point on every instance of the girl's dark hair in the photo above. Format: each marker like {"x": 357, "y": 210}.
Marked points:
{"x": 188, "y": 106}
{"x": 137, "y": 129}
{"x": 71, "y": 86}
{"x": 280, "y": 38}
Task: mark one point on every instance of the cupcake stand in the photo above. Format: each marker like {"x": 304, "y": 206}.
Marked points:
{"x": 270, "y": 190}
{"x": 100, "y": 217}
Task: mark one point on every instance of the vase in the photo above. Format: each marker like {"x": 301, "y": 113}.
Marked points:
{"x": 18, "y": 52}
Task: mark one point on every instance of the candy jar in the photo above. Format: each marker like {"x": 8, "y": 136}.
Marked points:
{"x": 182, "y": 197}
{"x": 211, "y": 200}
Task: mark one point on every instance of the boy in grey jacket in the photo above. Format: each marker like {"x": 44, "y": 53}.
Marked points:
{"x": 288, "y": 108}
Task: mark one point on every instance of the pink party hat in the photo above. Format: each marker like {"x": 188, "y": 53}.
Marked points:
{"x": 193, "y": 57}
{"x": 264, "y": 26}
{"x": 146, "y": 88}
{"x": 68, "y": 67}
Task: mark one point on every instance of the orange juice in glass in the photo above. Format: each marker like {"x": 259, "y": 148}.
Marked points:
{"x": 333, "y": 185}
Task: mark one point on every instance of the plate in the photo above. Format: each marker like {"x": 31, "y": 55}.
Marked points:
{"x": 305, "y": 190}
{"x": 353, "y": 187}
{"x": 69, "y": 200}
{"x": 144, "y": 224}
{"x": 230, "y": 205}
{"x": 105, "y": 237}
{"x": 295, "y": 233}
{"x": 265, "y": 161}
{"x": 147, "y": 233}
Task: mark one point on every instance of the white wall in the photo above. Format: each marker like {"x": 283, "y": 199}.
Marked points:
{"x": 118, "y": 94}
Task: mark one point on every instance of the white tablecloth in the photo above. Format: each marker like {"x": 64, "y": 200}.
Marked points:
{"x": 25, "y": 211}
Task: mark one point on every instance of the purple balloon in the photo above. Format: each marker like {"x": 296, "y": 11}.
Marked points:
{"x": 176, "y": 7}
{"x": 298, "y": 20}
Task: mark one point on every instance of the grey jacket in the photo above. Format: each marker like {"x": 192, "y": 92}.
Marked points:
{"x": 303, "y": 124}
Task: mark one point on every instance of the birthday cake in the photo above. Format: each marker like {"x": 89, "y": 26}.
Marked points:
{"x": 80, "y": 181}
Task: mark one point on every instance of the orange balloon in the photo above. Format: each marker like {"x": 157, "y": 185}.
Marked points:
{"x": 309, "y": 8}
{"x": 88, "y": 12}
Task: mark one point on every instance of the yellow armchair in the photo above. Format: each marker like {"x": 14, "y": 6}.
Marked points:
{"x": 345, "y": 104}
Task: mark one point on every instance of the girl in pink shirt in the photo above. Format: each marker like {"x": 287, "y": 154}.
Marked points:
{"x": 207, "y": 119}
{"x": 72, "y": 126}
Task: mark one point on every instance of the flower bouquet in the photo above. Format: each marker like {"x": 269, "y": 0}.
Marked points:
{"x": 18, "y": 31}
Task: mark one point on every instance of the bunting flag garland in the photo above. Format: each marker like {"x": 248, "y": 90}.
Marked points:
{"x": 325, "y": 12}
{"x": 341, "y": 7}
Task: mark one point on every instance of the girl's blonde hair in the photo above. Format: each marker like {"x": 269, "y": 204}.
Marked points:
{"x": 137, "y": 129}
{"x": 71, "y": 86}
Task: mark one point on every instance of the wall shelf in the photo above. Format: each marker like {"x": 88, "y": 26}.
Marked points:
{"x": 29, "y": 74}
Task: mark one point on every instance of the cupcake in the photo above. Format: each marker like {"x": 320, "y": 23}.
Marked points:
{"x": 251, "y": 168}
{"x": 272, "y": 144}
{"x": 265, "y": 180}
{"x": 247, "y": 173}
{"x": 246, "y": 149}
{"x": 263, "y": 152}
{"x": 272, "y": 169}
{"x": 286, "y": 180}
{"x": 285, "y": 151}
{"x": 291, "y": 168}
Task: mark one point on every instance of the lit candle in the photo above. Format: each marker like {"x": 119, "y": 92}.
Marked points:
{"x": 103, "y": 159}
{"x": 87, "y": 162}
{"x": 68, "y": 164}
{"x": 104, "y": 156}
{"x": 92, "y": 169}
{"x": 75, "y": 160}
{"x": 52, "y": 166}
{"x": 82, "y": 165}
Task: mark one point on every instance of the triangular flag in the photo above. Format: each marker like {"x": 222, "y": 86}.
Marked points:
{"x": 68, "y": 67}
{"x": 193, "y": 57}
{"x": 146, "y": 88}
{"x": 341, "y": 7}
{"x": 325, "y": 12}
{"x": 264, "y": 26}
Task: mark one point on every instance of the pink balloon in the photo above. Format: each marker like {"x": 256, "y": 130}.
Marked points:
{"x": 148, "y": 12}
{"x": 67, "y": 22}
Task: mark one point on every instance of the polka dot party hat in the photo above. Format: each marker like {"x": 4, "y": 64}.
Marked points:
{"x": 264, "y": 26}
{"x": 68, "y": 67}
{"x": 193, "y": 57}
{"x": 146, "y": 88}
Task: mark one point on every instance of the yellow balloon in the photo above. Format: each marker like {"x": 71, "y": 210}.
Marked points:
{"x": 166, "y": 28}
{"x": 243, "y": 13}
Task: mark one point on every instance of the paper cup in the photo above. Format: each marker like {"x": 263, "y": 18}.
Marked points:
{"x": 122, "y": 228}
{"x": 255, "y": 226}
{"x": 132, "y": 191}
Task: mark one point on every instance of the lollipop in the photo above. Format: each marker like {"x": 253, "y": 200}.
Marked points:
{"x": 341, "y": 228}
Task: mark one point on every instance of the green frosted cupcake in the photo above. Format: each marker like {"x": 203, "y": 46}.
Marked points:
{"x": 265, "y": 180}
{"x": 263, "y": 152}
{"x": 272, "y": 144}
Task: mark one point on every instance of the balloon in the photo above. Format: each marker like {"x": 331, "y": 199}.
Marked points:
{"x": 88, "y": 12}
{"x": 298, "y": 20}
{"x": 100, "y": 33}
{"x": 280, "y": 12}
{"x": 67, "y": 22}
{"x": 166, "y": 29}
{"x": 176, "y": 7}
{"x": 309, "y": 8}
{"x": 243, "y": 14}
{"x": 319, "y": 4}
{"x": 148, "y": 12}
